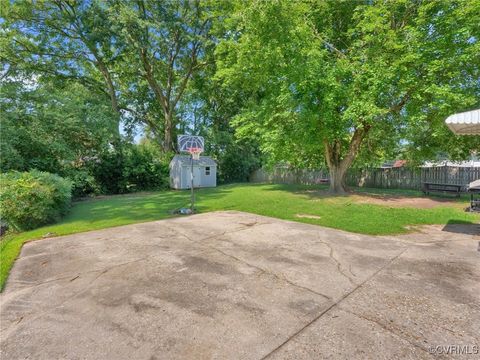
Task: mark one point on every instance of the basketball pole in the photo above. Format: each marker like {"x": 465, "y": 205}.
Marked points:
{"x": 192, "y": 200}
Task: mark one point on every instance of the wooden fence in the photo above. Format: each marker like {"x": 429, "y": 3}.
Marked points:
{"x": 284, "y": 175}
{"x": 393, "y": 178}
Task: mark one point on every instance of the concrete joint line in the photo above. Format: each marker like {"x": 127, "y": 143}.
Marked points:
{"x": 264, "y": 271}
{"x": 295, "y": 334}
{"x": 261, "y": 270}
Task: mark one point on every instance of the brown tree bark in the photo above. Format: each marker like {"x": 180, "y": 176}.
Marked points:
{"x": 339, "y": 165}
{"x": 111, "y": 91}
{"x": 168, "y": 132}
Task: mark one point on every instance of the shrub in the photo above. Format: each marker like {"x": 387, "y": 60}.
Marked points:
{"x": 83, "y": 183}
{"x": 31, "y": 199}
{"x": 108, "y": 171}
{"x": 134, "y": 168}
{"x": 146, "y": 169}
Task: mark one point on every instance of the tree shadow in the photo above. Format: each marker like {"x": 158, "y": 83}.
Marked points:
{"x": 315, "y": 192}
{"x": 462, "y": 227}
{"x": 311, "y": 191}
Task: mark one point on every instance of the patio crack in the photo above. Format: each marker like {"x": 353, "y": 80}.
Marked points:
{"x": 384, "y": 327}
{"x": 258, "y": 268}
{"x": 333, "y": 305}
{"x": 338, "y": 263}
{"x": 72, "y": 277}
{"x": 101, "y": 272}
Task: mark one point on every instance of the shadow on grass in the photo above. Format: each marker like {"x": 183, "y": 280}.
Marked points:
{"x": 313, "y": 191}
{"x": 322, "y": 192}
{"x": 462, "y": 227}
{"x": 135, "y": 207}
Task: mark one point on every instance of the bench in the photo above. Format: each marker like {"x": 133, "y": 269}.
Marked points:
{"x": 428, "y": 187}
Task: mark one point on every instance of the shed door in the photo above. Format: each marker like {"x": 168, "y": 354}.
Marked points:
{"x": 197, "y": 176}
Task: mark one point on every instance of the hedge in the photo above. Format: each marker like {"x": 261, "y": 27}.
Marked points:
{"x": 32, "y": 199}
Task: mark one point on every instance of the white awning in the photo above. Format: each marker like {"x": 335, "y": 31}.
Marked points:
{"x": 474, "y": 185}
{"x": 466, "y": 123}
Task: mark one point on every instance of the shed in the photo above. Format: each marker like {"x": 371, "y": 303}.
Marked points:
{"x": 466, "y": 123}
{"x": 204, "y": 172}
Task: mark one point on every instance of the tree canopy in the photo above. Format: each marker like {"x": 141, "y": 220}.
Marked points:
{"x": 141, "y": 54}
{"x": 330, "y": 80}
{"x": 310, "y": 83}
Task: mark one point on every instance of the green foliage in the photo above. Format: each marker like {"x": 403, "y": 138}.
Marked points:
{"x": 50, "y": 126}
{"x": 31, "y": 199}
{"x": 329, "y": 80}
{"x": 236, "y": 159}
{"x": 212, "y": 108}
{"x": 146, "y": 168}
{"x": 83, "y": 182}
{"x": 142, "y": 55}
{"x": 134, "y": 168}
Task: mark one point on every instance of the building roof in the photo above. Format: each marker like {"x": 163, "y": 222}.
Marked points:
{"x": 465, "y": 163}
{"x": 185, "y": 160}
{"x": 393, "y": 164}
{"x": 466, "y": 123}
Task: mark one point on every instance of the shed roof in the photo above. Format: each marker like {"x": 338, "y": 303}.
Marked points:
{"x": 466, "y": 123}
{"x": 185, "y": 160}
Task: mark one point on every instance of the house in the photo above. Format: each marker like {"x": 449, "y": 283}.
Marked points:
{"x": 393, "y": 164}
{"x": 204, "y": 172}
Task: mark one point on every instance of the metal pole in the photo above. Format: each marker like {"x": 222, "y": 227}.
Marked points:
{"x": 191, "y": 185}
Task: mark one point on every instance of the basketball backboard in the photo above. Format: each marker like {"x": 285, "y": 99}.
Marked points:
{"x": 190, "y": 143}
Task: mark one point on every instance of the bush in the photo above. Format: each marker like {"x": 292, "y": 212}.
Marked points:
{"x": 83, "y": 183}
{"x": 31, "y": 199}
{"x": 146, "y": 168}
{"x": 134, "y": 168}
{"x": 108, "y": 172}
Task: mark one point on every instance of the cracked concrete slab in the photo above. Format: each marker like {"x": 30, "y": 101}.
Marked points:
{"x": 237, "y": 285}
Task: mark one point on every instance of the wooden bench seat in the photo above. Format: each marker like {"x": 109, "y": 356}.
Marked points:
{"x": 428, "y": 187}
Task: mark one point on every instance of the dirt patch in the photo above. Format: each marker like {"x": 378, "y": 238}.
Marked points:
{"x": 307, "y": 216}
{"x": 397, "y": 201}
{"x": 381, "y": 199}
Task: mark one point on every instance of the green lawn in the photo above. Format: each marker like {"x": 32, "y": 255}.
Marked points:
{"x": 280, "y": 201}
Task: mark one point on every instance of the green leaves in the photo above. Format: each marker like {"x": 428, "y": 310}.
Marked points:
{"x": 51, "y": 127}
{"x": 317, "y": 72}
{"x": 35, "y": 198}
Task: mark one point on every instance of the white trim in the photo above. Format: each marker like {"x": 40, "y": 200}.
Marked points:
{"x": 466, "y": 123}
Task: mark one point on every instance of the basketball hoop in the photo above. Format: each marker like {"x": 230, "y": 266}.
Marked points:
{"x": 195, "y": 152}
{"x": 194, "y": 146}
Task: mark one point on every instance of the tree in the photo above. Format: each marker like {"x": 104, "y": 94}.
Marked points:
{"x": 167, "y": 42}
{"x": 50, "y": 126}
{"x": 141, "y": 54}
{"x": 64, "y": 40}
{"x": 326, "y": 78}
{"x": 212, "y": 108}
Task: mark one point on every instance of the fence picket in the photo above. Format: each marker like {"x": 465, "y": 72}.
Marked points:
{"x": 394, "y": 178}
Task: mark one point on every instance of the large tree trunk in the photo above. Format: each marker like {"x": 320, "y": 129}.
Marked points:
{"x": 338, "y": 165}
{"x": 168, "y": 133}
{"x": 163, "y": 100}
{"x": 113, "y": 97}
{"x": 337, "y": 179}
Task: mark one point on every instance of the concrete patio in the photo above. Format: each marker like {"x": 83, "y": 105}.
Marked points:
{"x": 231, "y": 285}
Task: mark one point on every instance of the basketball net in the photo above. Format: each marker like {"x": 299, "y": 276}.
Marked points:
{"x": 195, "y": 152}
